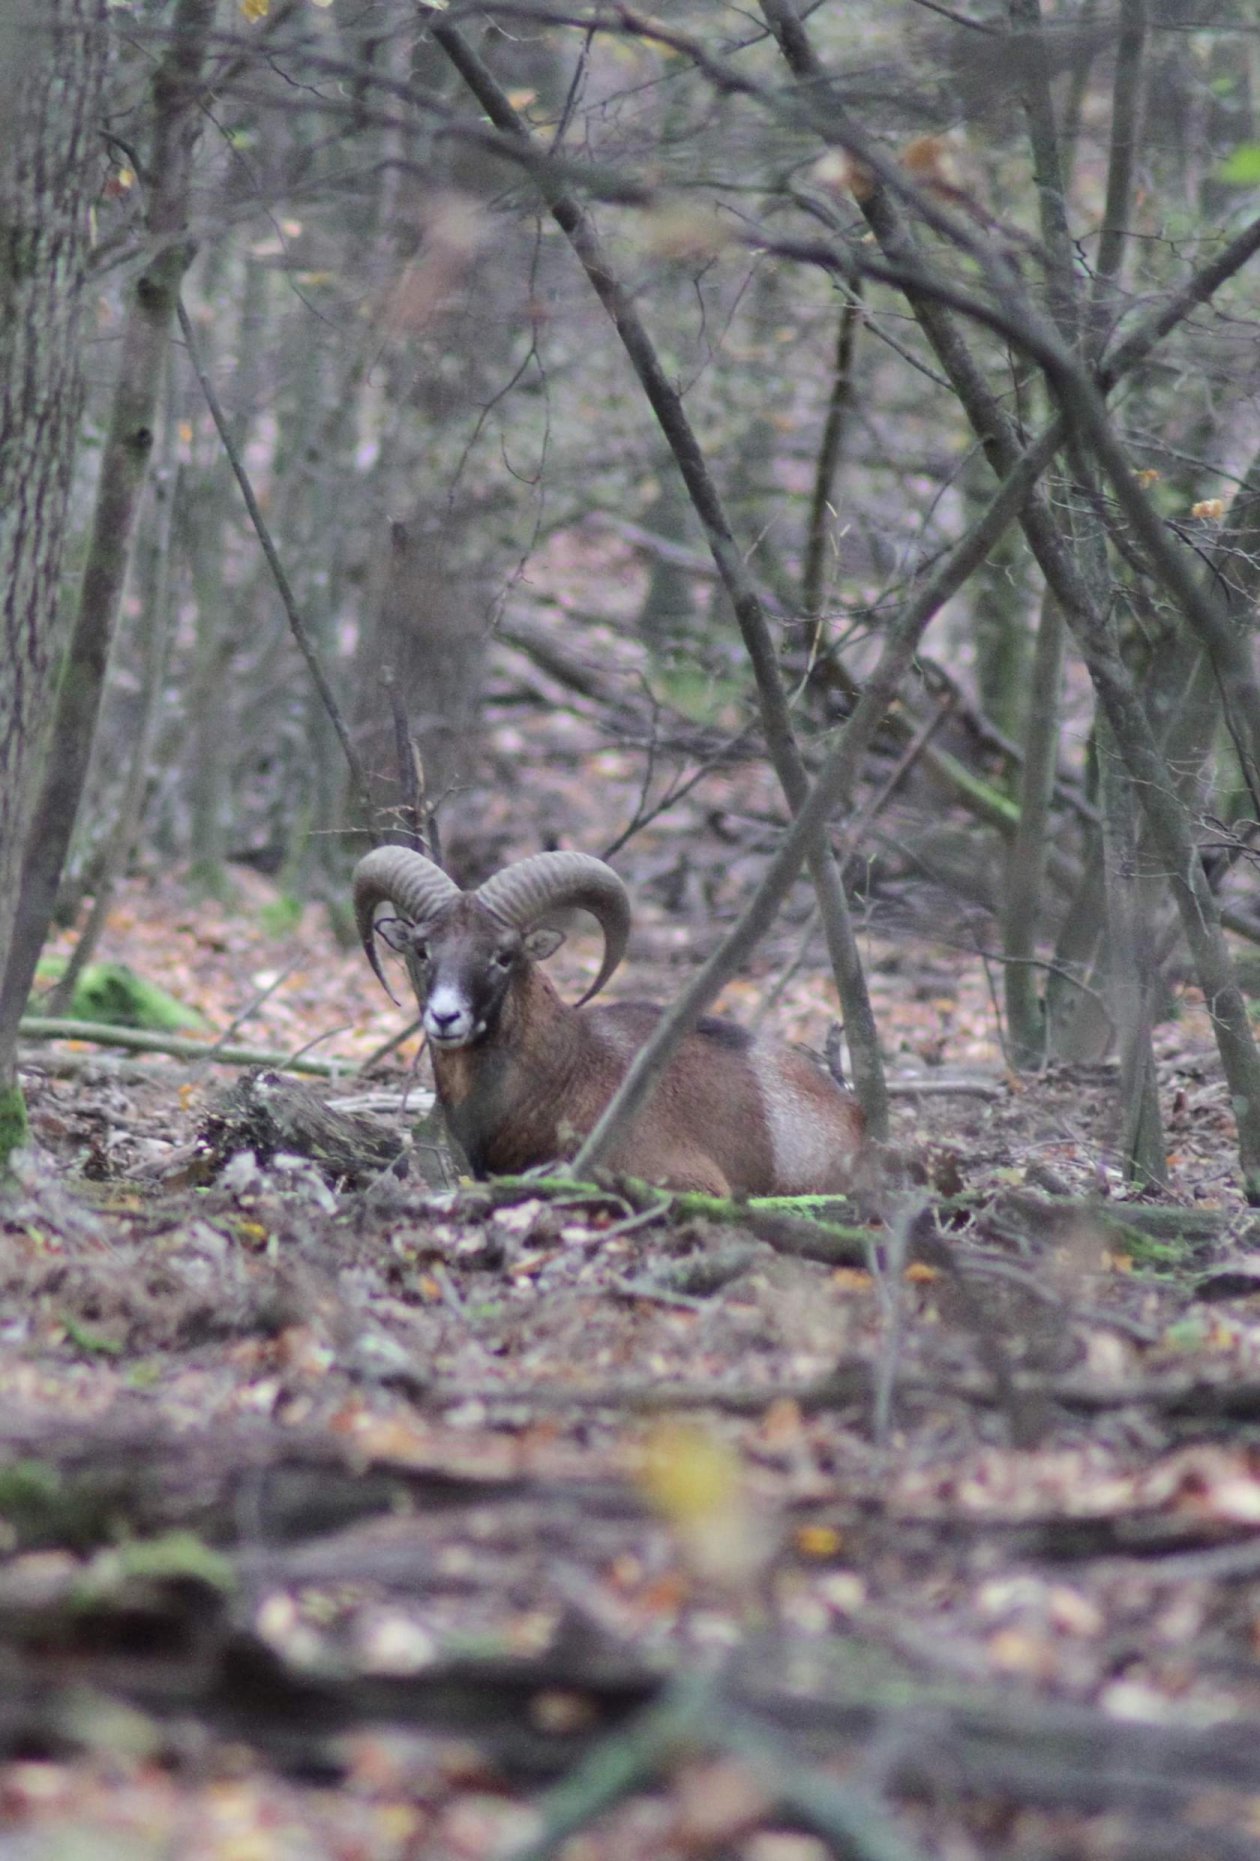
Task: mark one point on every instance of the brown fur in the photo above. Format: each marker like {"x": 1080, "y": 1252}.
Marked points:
{"x": 532, "y": 1087}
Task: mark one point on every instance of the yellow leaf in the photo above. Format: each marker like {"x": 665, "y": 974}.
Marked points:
{"x": 818, "y": 1540}
{"x": 1213, "y": 508}
{"x": 1148, "y": 477}
{"x": 688, "y": 1474}
{"x": 694, "y": 1480}
{"x": 521, "y": 99}
{"x": 255, "y": 9}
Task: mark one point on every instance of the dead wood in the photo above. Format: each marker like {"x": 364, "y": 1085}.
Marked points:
{"x": 271, "y": 1116}
{"x": 851, "y": 1383}
{"x": 140, "y": 1040}
{"x": 254, "y": 1486}
{"x": 130, "y": 1476}
{"x": 168, "y": 1647}
{"x": 1050, "y": 1216}
{"x": 800, "y": 1226}
{"x": 993, "y": 1742}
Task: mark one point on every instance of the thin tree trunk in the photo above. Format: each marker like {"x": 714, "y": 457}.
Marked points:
{"x": 1130, "y": 978}
{"x": 1078, "y": 1026}
{"x": 1025, "y": 869}
{"x": 1000, "y": 599}
{"x": 863, "y": 1038}
{"x": 1026, "y": 861}
{"x": 1231, "y": 581}
{"x": 156, "y": 629}
{"x": 1130, "y": 967}
{"x": 176, "y": 91}
{"x": 1166, "y": 815}
{"x": 52, "y": 64}
{"x": 818, "y": 529}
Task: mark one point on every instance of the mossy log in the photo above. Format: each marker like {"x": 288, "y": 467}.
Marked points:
{"x": 796, "y": 1224}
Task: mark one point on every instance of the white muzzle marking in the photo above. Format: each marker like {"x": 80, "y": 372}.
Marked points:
{"x": 448, "y": 1019}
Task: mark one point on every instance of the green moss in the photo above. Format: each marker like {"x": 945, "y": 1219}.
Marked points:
{"x": 176, "y": 1554}
{"x": 801, "y": 1223}
{"x": 40, "y": 1506}
{"x": 1243, "y": 167}
{"x": 115, "y": 996}
{"x": 14, "y": 1129}
{"x": 91, "y": 1343}
{"x": 28, "y": 1485}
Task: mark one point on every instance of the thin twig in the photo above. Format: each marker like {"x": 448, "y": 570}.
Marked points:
{"x": 667, "y": 405}
{"x": 770, "y": 996}
{"x": 820, "y": 510}
{"x": 831, "y": 784}
{"x": 408, "y": 782}
{"x": 392, "y": 1044}
{"x": 857, "y": 827}
{"x": 1084, "y": 410}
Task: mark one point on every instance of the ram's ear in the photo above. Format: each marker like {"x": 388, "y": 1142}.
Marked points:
{"x": 543, "y": 942}
{"x": 395, "y": 934}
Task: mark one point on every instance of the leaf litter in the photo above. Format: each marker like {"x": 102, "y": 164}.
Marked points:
{"x": 383, "y": 1516}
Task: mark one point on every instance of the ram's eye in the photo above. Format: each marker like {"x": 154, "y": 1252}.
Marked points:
{"x": 420, "y": 949}
{"x": 502, "y": 959}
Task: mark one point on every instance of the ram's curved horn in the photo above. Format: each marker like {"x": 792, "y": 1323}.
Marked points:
{"x": 526, "y": 891}
{"x": 411, "y": 883}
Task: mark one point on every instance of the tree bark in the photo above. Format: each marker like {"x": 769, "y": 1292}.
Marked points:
{"x": 176, "y": 93}
{"x": 1029, "y": 850}
{"x": 52, "y": 56}
{"x": 1081, "y": 405}
{"x": 666, "y": 404}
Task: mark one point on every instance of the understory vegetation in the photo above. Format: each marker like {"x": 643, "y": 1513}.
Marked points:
{"x": 807, "y": 456}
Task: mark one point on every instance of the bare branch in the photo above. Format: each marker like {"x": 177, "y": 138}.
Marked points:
{"x": 832, "y": 784}
{"x": 668, "y": 408}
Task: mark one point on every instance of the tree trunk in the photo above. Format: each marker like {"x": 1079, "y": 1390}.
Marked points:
{"x": 1026, "y": 862}
{"x": 123, "y": 468}
{"x": 52, "y": 57}
{"x": 776, "y": 720}
{"x": 1131, "y": 978}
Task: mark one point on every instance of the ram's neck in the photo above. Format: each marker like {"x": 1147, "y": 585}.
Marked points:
{"x": 505, "y": 1097}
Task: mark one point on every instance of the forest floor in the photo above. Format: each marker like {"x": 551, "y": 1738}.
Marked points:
{"x": 409, "y": 1519}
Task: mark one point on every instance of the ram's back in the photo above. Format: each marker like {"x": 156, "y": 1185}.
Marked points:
{"x": 737, "y": 1113}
